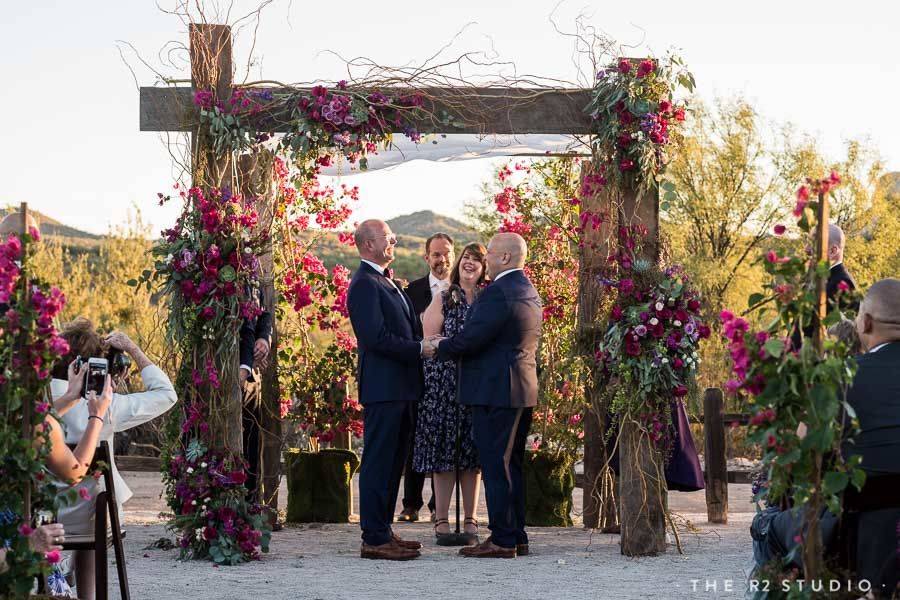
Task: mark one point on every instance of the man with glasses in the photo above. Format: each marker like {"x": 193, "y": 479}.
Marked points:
{"x": 390, "y": 351}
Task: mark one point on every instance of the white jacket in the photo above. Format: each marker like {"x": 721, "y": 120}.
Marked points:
{"x": 125, "y": 411}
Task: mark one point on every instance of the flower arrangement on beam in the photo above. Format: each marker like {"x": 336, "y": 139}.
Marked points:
{"x": 321, "y": 121}
{"x": 636, "y": 116}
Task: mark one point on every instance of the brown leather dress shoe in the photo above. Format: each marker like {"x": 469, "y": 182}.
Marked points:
{"x": 408, "y": 544}
{"x": 521, "y": 549}
{"x": 408, "y": 515}
{"x": 487, "y": 549}
{"x": 389, "y": 551}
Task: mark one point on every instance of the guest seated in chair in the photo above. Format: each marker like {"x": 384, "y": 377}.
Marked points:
{"x": 127, "y": 411}
{"x": 875, "y": 398}
{"x": 69, "y": 467}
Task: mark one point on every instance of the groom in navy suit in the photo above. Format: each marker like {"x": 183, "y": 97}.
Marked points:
{"x": 498, "y": 379}
{"x": 390, "y": 349}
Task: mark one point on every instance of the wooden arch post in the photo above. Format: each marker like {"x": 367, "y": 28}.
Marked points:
{"x": 211, "y": 69}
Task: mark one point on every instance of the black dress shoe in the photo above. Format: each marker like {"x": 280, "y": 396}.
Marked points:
{"x": 409, "y": 515}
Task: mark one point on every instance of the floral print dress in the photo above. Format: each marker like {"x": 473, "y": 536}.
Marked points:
{"x": 440, "y": 413}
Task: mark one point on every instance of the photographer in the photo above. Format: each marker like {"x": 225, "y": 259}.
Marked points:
{"x": 125, "y": 412}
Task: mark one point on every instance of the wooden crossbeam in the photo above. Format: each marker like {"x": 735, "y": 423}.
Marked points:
{"x": 473, "y": 110}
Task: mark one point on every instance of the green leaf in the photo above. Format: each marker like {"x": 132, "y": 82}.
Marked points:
{"x": 774, "y": 347}
{"x": 755, "y": 299}
{"x": 835, "y": 482}
{"x": 832, "y": 318}
{"x": 132, "y": 282}
{"x": 859, "y": 478}
{"x": 664, "y": 206}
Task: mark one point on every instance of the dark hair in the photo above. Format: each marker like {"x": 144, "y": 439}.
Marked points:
{"x": 83, "y": 341}
{"x": 437, "y": 236}
{"x": 479, "y": 251}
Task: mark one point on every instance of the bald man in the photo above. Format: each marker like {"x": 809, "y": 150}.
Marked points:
{"x": 388, "y": 334}
{"x": 872, "y": 514}
{"x": 498, "y": 379}
{"x": 838, "y": 273}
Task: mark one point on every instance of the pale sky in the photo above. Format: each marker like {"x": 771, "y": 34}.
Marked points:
{"x": 71, "y": 146}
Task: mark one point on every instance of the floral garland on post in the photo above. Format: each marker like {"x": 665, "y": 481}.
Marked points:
{"x": 209, "y": 260}
{"x": 204, "y": 267}
{"x": 652, "y": 344}
{"x": 29, "y": 345}
{"x": 786, "y": 386}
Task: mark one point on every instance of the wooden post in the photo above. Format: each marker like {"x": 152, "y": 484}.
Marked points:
{"x": 27, "y": 403}
{"x": 643, "y": 492}
{"x": 714, "y": 449}
{"x": 642, "y": 484}
{"x": 599, "y": 510}
{"x": 821, "y": 254}
{"x": 210, "y": 51}
{"x": 812, "y": 544}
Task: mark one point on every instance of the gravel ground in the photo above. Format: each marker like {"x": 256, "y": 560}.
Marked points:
{"x": 322, "y": 561}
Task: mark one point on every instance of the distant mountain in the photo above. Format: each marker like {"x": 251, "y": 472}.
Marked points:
{"x": 52, "y": 228}
{"x": 424, "y": 223}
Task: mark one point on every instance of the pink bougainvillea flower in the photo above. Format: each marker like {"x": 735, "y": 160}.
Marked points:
{"x": 780, "y": 229}
{"x": 843, "y": 286}
{"x": 85, "y": 495}
{"x": 624, "y": 65}
{"x": 53, "y": 557}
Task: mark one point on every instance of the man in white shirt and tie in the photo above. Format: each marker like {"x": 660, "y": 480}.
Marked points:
{"x": 439, "y": 258}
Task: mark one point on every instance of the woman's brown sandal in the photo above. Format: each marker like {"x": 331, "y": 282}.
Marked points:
{"x": 437, "y": 534}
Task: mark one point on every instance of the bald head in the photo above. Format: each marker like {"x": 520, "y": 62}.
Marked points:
{"x": 375, "y": 242}
{"x": 835, "y": 244}
{"x": 506, "y": 251}
{"x": 12, "y": 223}
{"x": 878, "y": 320}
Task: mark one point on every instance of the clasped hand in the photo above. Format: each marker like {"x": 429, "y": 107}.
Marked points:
{"x": 430, "y": 344}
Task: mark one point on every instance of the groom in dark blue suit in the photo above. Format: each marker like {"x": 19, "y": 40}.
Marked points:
{"x": 390, "y": 381}
{"x": 498, "y": 379}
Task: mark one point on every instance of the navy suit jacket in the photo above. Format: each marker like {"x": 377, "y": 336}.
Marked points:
{"x": 875, "y": 397}
{"x": 388, "y": 339}
{"x": 497, "y": 347}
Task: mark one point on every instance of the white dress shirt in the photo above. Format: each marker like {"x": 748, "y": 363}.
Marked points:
{"x": 437, "y": 285}
{"x": 125, "y": 411}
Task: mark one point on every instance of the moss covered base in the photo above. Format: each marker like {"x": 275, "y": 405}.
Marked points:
{"x": 549, "y": 483}
{"x": 319, "y": 485}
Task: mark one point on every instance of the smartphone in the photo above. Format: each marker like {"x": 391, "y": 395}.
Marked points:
{"x": 95, "y": 378}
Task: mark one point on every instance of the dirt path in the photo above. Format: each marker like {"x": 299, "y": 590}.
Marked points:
{"x": 322, "y": 561}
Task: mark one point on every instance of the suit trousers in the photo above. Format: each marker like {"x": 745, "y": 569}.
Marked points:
{"x": 386, "y": 431}
{"x": 251, "y": 414}
{"x": 499, "y": 434}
